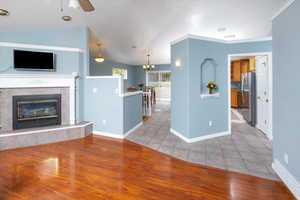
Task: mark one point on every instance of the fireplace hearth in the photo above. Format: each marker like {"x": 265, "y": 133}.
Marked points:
{"x": 32, "y": 111}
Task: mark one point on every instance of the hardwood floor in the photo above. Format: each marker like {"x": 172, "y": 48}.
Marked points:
{"x": 102, "y": 168}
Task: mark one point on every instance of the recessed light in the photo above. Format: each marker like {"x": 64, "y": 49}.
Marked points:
{"x": 4, "y": 12}
{"x": 222, "y": 29}
{"x": 229, "y": 36}
{"x": 66, "y": 18}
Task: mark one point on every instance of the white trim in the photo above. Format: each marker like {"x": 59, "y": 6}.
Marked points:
{"x": 42, "y": 81}
{"x": 133, "y": 129}
{"x": 127, "y": 94}
{"x": 201, "y": 138}
{"x": 100, "y": 77}
{"x": 270, "y": 83}
{"x": 57, "y": 76}
{"x": 196, "y": 37}
{"x": 33, "y": 46}
{"x": 249, "y": 40}
{"x": 205, "y": 96}
{"x": 45, "y": 130}
{"x": 286, "y": 5}
{"x": 118, "y": 136}
{"x": 289, "y": 180}
{"x": 163, "y": 99}
{"x": 107, "y": 134}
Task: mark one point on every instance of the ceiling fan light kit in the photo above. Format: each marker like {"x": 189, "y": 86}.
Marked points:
{"x": 66, "y": 18}
{"x": 74, "y": 4}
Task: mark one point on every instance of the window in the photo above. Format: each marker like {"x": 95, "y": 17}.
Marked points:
{"x": 119, "y": 72}
{"x": 161, "y": 80}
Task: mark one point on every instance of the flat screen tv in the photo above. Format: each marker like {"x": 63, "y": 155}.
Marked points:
{"x": 35, "y": 61}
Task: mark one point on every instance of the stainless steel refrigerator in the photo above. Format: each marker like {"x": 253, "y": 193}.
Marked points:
{"x": 248, "y": 90}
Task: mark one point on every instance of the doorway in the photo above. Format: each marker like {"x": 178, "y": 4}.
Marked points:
{"x": 250, "y": 90}
{"x": 161, "y": 81}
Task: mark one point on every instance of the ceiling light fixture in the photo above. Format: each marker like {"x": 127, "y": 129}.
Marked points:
{"x": 4, "y": 12}
{"x": 74, "y": 4}
{"x": 148, "y": 67}
{"x": 99, "y": 58}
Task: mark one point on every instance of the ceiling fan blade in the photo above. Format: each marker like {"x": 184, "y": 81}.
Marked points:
{"x": 86, "y": 5}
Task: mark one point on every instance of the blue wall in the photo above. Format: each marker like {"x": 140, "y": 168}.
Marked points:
{"x": 105, "y": 69}
{"x": 67, "y": 62}
{"x": 104, "y": 104}
{"x": 180, "y": 89}
{"x": 190, "y": 114}
{"x": 133, "y": 111}
{"x": 140, "y": 76}
{"x": 286, "y": 96}
{"x": 214, "y": 109}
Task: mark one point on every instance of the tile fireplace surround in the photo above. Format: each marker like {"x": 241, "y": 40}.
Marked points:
{"x": 19, "y": 85}
{"x": 6, "y": 106}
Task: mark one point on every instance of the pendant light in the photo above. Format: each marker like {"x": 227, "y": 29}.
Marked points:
{"x": 99, "y": 58}
{"x": 148, "y": 66}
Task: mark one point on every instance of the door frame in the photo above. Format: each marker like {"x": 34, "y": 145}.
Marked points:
{"x": 270, "y": 83}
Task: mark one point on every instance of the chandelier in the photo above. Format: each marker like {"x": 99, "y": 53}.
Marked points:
{"x": 148, "y": 66}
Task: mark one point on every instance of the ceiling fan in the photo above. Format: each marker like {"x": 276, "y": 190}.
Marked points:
{"x": 86, "y": 5}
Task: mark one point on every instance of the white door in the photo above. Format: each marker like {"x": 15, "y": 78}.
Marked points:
{"x": 161, "y": 80}
{"x": 262, "y": 93}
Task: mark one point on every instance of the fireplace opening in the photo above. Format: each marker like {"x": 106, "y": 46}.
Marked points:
{"x": 32, "y": 111}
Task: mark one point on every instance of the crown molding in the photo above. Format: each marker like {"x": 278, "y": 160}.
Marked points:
{"x": 286, "y": 5}
{"x": 249, "y": 40}
{"x": 196, "y": 37}
{"x": 34, "y": 46}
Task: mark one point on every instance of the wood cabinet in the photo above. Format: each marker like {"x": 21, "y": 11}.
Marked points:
{"x": 244, "y": 66}
{"x": 239, "y": 67}
{"x": 236, "y": 71}
{"x": 252, "y": 62}
{"x": 234, "y": 99}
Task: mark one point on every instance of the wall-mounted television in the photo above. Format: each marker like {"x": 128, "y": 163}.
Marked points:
{"x": 34, "y": 61}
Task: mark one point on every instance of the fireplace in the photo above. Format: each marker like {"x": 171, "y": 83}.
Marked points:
{"x": 36, "y": 111}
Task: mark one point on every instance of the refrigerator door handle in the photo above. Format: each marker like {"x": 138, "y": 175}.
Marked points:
{"x": 242, "y": 86}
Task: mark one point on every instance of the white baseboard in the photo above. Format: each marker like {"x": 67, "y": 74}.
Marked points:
{"x": 289, "y": 180}
{"x": 197, "y": 139}
{"x": 106, "y": 134}
{"x": 118, "y": 136}
{"x": 133, "y": 129}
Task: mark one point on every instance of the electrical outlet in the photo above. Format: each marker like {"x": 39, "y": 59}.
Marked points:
{"x": 286, "y": 158}
{"x": 210, "y": 123}
{"x": 104, "y": 122}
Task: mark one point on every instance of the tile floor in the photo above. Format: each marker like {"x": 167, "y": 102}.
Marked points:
{"x": 246, "y": 150}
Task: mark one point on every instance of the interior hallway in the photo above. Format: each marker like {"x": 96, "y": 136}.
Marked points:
{"x": 247, "y": 150}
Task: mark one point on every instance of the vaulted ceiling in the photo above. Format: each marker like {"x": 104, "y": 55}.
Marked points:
{"x": 148, "y": 25}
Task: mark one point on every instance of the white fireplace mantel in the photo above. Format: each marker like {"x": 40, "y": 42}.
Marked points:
{"x": 39, "y": 81}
